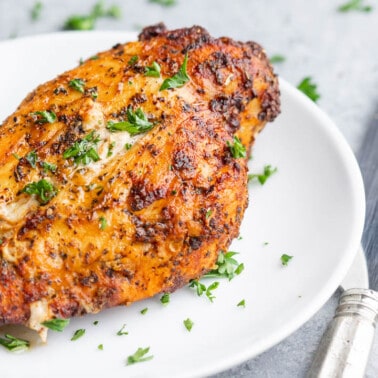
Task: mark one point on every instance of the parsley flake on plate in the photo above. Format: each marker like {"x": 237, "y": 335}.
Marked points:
{"x": 285, "y": 259}
{"x": 78, "y": 333}
{"x": 178, "y": 80}
{"x": 137, "y": 123}
{"x": 236, "y": 148}
{"x": 201, "y": 288}
{"x": 43, "y": 189}
{"x": 144, "y": 311}
{"x": 226, "y": 266}
{"x": 277, "y": 59}
{"x": 165, "y": 299}
{"x": 309, "y": 88}
{"x": 14, "y": 344}
{"x": 139, "y": 356}
{"x": 100, "y": 347}
{"x": 355, "y": 5}
{"x": 36, "y": 10}
{"x": 188, "y": 323}
{"x": 165, "y": 3}
{"x": 262, "y": 177}
{"x": 56, "y": 324}
{"x": 122, "y": 331}
{"x": 241, "y": 303}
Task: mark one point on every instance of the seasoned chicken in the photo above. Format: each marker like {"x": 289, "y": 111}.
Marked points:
{"x": 126, "y": 176}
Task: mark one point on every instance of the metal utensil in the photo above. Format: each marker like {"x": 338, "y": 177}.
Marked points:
{"x": 345, "y": 346}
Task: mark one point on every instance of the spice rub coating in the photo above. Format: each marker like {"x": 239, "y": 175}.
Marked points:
{"x": 92, "y": 217}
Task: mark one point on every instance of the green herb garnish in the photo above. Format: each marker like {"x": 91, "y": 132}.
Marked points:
{"x": 262, "y": 177}
{"x": 103, "y": 223}
{"x": 77, "y": 84}
{"x": 355, "y": 5}
{"x": 277, "y": 59}
{"x": 35, "y": 13}
{"x": 78, "y": 333}
{"x": 153, "y": 71}
{"x": 144, "y": 311}
{"x": 236, "y": 148}
{"x": 188, "y": 324}
{"x": 32, "y": 158}
{"x": 43, "y": 189}
{"x": 48, "y": 166}
{"x": 13, "y": 343}
{"x": 165, "y": 299}
{"x": 178, "y": 80}
{"x": 44, "y": 116}
{"x": 226, "y": 266}
{"x": 285, "y": 259}
{"x": 165, "y": 3}
{"x": 309, "y": 88}
{"x": 128, "y": 146}
{"x": 133, "y": 60}
{"x": 83, "y": 151}
{"x": 56, "y": 324}
{"x": 122, "y": 331}
{"x": 201, "y": 288}
{"x": 100, "y": 347}
{"x": 95, "y": 322}
{"x": 110, "y": 149}
{"x": 241, "y": 303}
{"x": 138, "y": 356}
{"x": 136, "y": 123}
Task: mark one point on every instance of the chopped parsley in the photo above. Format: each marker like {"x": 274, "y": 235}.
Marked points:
{"x": 241, "y": 303}
{"x": 139, "y": 356}
{"x": 309, "y": 88}
{"x": 262, "y": 177}
{"x": 165, "y": 299}
{"x": 44, "y": 116}
{"x": 87, "y": 22}
{"x": 153, "y": 71}
{"x": 122, "y": 331}
{"x": 133, "y": 60}
{"x": 226, "y": 266}
{"x": 77, "y": 85}
{"x": 14, "y": 344}
{"x": 285, "y": 259}
{"x": 100, "y": 347}
{"x": 103, "y": 223}
{"x": 355, "y": 5}
{"x": 128, "y": 146}
{"x": 43, "y": 189}
{"x": 136, "y": 123}
{"x": 236, "y": 148}
{"x": 165, "y": 3}
{"x": 201, "y": 288}
{"x": 209, "y": 213}
{"x": 178, "y": 80}
{"x": 35, "y": 13}
{"x": 144, "y": 311}
{"x": 83, "y": 151}
{"x": 110, "y": 149}
{"x": 277, "y": 59}
{"x": 56, "y": 324}
{"x": 188, "y": 324}
{"x": 78, "y": 333}
{"x": 32, "y": 158}
{"x": 47, "y": 166}
{"x": 16, "y": 156}
{"x": 95, "y": 322}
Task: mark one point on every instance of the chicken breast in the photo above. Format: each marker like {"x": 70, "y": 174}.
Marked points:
{"x": 126, "y": 176}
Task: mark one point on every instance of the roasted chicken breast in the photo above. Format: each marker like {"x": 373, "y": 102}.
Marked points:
{"x": 125, "y": 177}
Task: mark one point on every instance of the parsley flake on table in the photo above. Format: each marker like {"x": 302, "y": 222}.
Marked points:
{"x": 36, "y": 10}
{"x": 178, "y": 80}
{"x": 122, "y": 331}
{"x": 226, "y": 266}
{"x": 355, "y": 5}
{"x": 165, "y": 3}
{"x": 44, "y": 116}
{"x": 78, "y": 333}
{"x": 83, "y": 150}
{"x": 77, "y": 85}
{"x": 309, "y": 88}
{"x": 14, "y": 344}
{"x": 56, "y": 324}
{"x": 165, "y": 299}
{"x": 241, "y": 303}
{"x": 236, "y": 148}
{"x": 188, "y": 323}
{"x": 139, "y": 356}
{"x": 285, "y": 259}
{"x": 277, "y": 59}
{"x": 137, "y": 123}
{"x": 262, "y": 177}
{"x": 152, "y": 71}
{"x": 43, "y": 189}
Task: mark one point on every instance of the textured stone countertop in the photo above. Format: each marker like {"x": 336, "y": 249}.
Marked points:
{"x": 338, "y": 50}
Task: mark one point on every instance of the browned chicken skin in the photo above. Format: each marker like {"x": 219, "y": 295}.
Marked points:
{"x": 135, "y": 222}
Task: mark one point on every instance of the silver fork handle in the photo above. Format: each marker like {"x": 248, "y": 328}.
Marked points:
{"x": 345, "y": 347}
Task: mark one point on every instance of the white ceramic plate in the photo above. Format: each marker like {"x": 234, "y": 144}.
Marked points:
{"x": 312, "y": 209}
